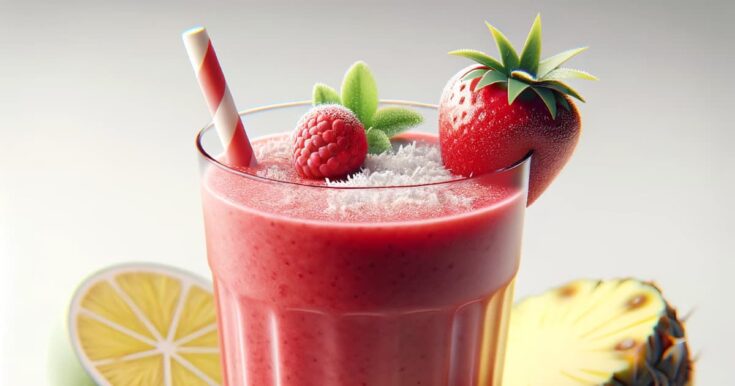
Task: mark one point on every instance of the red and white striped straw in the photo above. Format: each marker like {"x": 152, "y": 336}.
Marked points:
{"x": 224, "y": 113}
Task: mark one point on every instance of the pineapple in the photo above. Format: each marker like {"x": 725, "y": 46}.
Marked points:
{"x": 611, "y": 333}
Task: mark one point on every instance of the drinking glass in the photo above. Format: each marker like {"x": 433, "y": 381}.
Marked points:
{"x": 374, "y": 286}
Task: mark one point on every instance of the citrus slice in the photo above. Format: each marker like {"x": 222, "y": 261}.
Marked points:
{"x": 143, "y": 324}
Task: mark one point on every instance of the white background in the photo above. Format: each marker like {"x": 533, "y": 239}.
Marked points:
{"x": 99, "y": 106}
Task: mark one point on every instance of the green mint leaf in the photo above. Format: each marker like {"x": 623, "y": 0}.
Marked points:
{"x": 491, "y": 77}
{"x": 515, "y": 88}
{"x": 549, "y": 99}
{"x": 531, "y": 53}
{"x": 507, "y": 52}
{"x": 360, "y": 93}
{"x": 479, "y": 57}
{"x": 552, "y": 63}
{"x": 474, "y": 74}
{"x": 568, "y": 73}
{"x": 324, "y": 94}
{"x": 393, "y": 120}
{"x": 378, "y": 141}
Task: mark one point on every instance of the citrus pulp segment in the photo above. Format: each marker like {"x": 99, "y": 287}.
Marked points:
{"x": 143, "y": 324}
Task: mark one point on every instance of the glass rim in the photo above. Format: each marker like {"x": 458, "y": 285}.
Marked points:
{"x": 213, "y": 161}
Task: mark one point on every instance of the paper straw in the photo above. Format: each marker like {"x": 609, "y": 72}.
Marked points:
{"x": 226, "y": 120}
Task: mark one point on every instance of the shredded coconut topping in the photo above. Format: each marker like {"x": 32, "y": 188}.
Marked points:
{"x": 273, "y": 172}
{"x": 410, "y": 164}
{"x": 275, "y": 147}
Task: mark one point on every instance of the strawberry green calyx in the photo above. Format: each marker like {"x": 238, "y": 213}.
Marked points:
{"x": 527, "y": 71}
{"x": 359, "y": 93}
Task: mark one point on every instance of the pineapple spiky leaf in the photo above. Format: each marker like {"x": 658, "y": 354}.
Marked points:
{"x": 475, "y": 74}
{"x": 531, "y": 53}
{"x": 568, "y": 73}
{"x": 524, "y": 76}
{"x": 479, "y": 57}
{"x": 589, "y": 332}
{"x": 563, "y": 102}
{"x": 505, "y": 48}
{"x": 491, "y": 77}
{"x": 549, "y": 98}
{"x": 515, "y": 88}
{"x": 561, "y": 87}
{"x": 551, "y": 63}
{"x": 527, "y": 70}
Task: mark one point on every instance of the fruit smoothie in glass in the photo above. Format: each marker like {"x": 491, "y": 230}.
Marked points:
{"x": 400, "y": 275}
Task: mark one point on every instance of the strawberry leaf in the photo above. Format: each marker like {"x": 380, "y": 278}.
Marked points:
{"x": 531, "y": 53}
{"x": 564, "y": 103}
{"x": 549, "y": 99}
{"x": 393, "y": 120}
{"x": 515, "y": 88}
{"x": 378, "y": 141}
{"x": 524, "y": 76}
{"x": 491, "y": 77}
{"x": 474, "y": 74}
{"x": 324, "y": 94}
{"x": 507, "y": 52}
{"x": 568, "y": 73}
{"x": 360, "y": 93}
{"x": 562, "y": 88}
{"x": 526, "y": 70}
{"x": 552, "y": 63}
{"x": 479, "y": 57}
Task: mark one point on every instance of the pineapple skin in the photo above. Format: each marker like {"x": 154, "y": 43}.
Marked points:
{"x": 665, "y": 359}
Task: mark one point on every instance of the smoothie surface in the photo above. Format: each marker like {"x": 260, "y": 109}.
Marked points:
{"x": 406, "y": 183}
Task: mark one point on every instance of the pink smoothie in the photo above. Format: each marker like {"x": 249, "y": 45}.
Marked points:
{"x": 319, "y": 286}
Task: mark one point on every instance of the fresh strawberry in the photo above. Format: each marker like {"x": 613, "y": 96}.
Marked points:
{"x": 494, "y": 114}
{"x": 329, "y": 142}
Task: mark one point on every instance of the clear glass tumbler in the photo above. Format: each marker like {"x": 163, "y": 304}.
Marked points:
{"x": 388, "y": 286}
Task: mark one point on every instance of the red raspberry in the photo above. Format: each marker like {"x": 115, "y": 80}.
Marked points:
{"x": 329, "y": 142}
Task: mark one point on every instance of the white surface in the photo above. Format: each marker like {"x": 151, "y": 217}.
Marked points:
{"x": 99, "y": 107}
